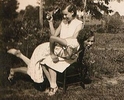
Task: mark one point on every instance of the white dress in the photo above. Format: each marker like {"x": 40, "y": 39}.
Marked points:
{"x": 42, "y": 54}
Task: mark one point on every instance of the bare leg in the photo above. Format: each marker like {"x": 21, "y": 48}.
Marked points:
{"x": 47, "y": 73}
{"x": 18, "y": 54}
{"x": 14, "y": 70}
{"x": 51, "y": 75}
{"x": 53, "y": 84}
{"x": 20, "y": 69}
{"x": 25, "y": 59}
{"x": 53, "y": 78}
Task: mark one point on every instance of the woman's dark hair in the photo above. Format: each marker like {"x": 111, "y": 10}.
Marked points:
{"x": 83, "y": 35}
{"x": 71, "y": 8}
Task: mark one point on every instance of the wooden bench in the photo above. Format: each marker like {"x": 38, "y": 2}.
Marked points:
{"x": 74, "y": 74}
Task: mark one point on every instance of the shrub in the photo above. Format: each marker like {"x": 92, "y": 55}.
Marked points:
{"x": 114, "y": 25}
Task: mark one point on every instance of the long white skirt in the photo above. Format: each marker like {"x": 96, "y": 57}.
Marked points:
{"x": 41, "y": 55}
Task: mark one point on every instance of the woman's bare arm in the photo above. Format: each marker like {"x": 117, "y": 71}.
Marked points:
{"x": 52, "y": 29}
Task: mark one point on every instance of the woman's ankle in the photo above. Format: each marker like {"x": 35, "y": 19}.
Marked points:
{"x": 53, "y": 85}
{"x": 18, "y": 54}
{"x": 15, "y": 52}
{"x": 12, "y": 71}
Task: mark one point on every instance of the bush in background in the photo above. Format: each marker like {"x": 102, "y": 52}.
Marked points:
{"x": 114, "y": 25}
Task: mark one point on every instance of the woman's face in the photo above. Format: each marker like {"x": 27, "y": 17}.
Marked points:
{"x": 89, "y": 42}
{"x": 67, "y": 15}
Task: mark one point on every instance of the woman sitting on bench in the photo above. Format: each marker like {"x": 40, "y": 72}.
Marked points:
{"x": 85, "y": 38}
{"x": 41, "y": 54}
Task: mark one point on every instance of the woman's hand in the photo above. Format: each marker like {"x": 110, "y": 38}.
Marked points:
{"x": 49, "y": 17}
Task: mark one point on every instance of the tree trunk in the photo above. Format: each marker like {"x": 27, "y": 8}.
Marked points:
{"x": 84, "y": 16}
{"x": 41, "y": 13}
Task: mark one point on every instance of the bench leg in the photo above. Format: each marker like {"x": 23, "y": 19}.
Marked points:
{"x": 64, "y": 82}
{"x": 82, "y": 73}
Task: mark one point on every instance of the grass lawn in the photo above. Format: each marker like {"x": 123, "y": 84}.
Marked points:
{"x": 107, "y": 80}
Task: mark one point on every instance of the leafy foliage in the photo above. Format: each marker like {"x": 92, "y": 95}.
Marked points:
{"x": 8, "y": 9}
{"x": 7, "y": 14}
{"x": 115, "y": 23}
{"x": 94, "y": 8}
{"x": 24, "y": 32}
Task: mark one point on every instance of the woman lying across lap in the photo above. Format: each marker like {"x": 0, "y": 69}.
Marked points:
{"x": 85, "y": 39}
{"x": 69, "y": 27}
{"x": 43, "y": 51}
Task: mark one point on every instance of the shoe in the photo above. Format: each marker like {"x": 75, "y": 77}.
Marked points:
{"x": 11, "y": 76}
{"x": 52, "y": 91}
{"x": 14, "y": 52}
{"x": 38, "y": 86}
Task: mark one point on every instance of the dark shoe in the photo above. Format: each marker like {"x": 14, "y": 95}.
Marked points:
{"x": 41, "y": 86}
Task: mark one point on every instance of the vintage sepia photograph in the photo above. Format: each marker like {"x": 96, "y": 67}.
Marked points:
{"x": 61, "y": 49}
